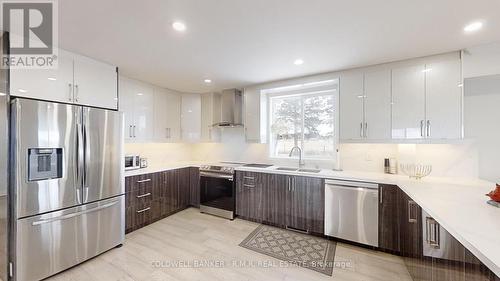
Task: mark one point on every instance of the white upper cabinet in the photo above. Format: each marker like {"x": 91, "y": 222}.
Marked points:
{"x": 443, "y": 98}
{"x": 210, "y": 115}
{"x": 365, "y": 104}
{"x": 45, "y": 84}
{"x": 137, "y": 103}
{"x": 191, "y": 117}
{"x": 167, "y": 115}
{"x": 351, "y": 105}
{"x": 377, "y": 123}
{"x": 95, "y": 83}
{"x": 408, "y": 101}
{"x": 77, "y": 79}
{"x": 254, "y": 117}
{"x": 427, "y": 99}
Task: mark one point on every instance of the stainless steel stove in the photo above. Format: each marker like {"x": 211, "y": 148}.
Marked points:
{"x": 217, "y": 189}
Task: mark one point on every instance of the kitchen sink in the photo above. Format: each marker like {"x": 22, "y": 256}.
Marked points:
{"x": 303, "y": 170}
{"x": 309, "y": 170}
{"x": 286, "y": 169}
{"x": 256, "y": 165}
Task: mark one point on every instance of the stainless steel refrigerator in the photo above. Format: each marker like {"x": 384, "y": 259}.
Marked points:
{"x": 67, "y": 185}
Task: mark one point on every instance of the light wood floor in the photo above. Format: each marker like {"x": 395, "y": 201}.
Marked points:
{"x": 194, "y": 246}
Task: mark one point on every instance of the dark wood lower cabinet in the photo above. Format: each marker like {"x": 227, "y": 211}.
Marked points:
{"x": 249, "y": 187}
{"x": 151, "y": 197}
{"x": 389, "y": 219}
{"x": 280, "y": 200}
{"x": 274, "y": 197}
{"x": 305, "y": 204}
{"x": 194, "y": 187}
{"x": 459, "y": 265}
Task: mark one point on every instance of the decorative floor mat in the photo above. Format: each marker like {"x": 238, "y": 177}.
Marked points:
{"x": 295, "y": 248}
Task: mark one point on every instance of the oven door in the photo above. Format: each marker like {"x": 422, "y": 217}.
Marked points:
{"x": 217, "y": 191}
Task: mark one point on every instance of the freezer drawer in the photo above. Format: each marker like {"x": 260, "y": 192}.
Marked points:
{"x": 52, "y": 242}
{"x": 351, "y": 211}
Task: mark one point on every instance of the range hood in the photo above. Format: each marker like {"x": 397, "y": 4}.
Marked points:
{"x": 231, "y": 108}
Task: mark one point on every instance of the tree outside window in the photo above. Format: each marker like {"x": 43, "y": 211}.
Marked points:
{"x": 304, "y": 120}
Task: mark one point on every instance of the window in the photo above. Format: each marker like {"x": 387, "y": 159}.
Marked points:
{"x": 303, "y": 118}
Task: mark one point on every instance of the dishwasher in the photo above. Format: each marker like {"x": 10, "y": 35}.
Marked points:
{"x": 351, "y": 211}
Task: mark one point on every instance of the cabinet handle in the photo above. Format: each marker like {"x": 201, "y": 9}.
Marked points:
{"x": 143, "y": 181}
{"x": 422, "y": 128}
{"x": 76, "y": 92}
{"x": 130, "y": 131}
{"x": 249, "y": 185}
{"x": 144, "y": 210}
{"x": 411, "y": 205}
{"x": 70, "y": 91}
{"x": 381, "y": 191}
{"x": 133, "y": 131}
{"x": 249, "y": 178}
{"x": 366, "y": 129}
{"x": 361, "y": 129}
{"x": 428, "y": 128}
{"x": 432, "y": 232}
{"x": 289, "y": 184}
{"x": 144, "y": 195}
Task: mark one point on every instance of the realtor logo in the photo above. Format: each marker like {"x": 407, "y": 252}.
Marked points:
{"x": 33, "y": 37}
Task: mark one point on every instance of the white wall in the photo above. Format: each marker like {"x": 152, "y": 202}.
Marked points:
{"x": 158, "y": 153}
{"x": 482, "y": 123}
{"x": 482, "y": 60}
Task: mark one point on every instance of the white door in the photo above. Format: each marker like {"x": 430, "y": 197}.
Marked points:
{"x": 127, "y": 99}
{"x": 378, "y": 104}
{"x": 408, "y": 98}
{"x": 444, "y": 98}
{"x": 191, "y": 117}
{"x": 45, "y": 84}
{"x": 143, "y": 112}
{"x": 167, "y": 115}
{"x": 95, "y": 83}
{"x": 351, "y": 106}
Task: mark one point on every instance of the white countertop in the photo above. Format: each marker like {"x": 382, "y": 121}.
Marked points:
{"x": 459, "y": 205}
{"x": 162, "y": 167}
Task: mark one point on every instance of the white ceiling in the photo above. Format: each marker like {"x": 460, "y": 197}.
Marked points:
{"x": 237, "y": 43}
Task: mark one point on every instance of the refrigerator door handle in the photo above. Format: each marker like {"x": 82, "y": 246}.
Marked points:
{"x": 86, "y": 157}
{"x": 72, "y": 215}
{"x": 79, "y": 160}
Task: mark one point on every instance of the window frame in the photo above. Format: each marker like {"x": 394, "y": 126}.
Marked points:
{"x": 303, "y": 93}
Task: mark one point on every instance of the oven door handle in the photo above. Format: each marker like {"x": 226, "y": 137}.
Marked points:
{"x": 216, "y": 175}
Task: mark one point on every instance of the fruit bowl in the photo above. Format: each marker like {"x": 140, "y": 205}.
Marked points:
{"x": 416, "y": 171}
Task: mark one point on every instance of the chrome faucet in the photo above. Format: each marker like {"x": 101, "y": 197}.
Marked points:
{"x": 301, "y": 162}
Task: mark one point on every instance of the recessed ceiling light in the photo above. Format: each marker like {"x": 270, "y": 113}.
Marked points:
{"x": 208, "y": 81}
{"x": 474, "y": 26}
{"x": 298, "y": 61}
{"x": 22, "y": 90}
{"x": 140, "y": 94}
{"x": 52, "y": 79}
{"x": 179, "y": 26}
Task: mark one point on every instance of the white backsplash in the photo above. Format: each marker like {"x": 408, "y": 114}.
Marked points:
{"x": 450, "y": 160}
{"x": 160, "y": 152}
